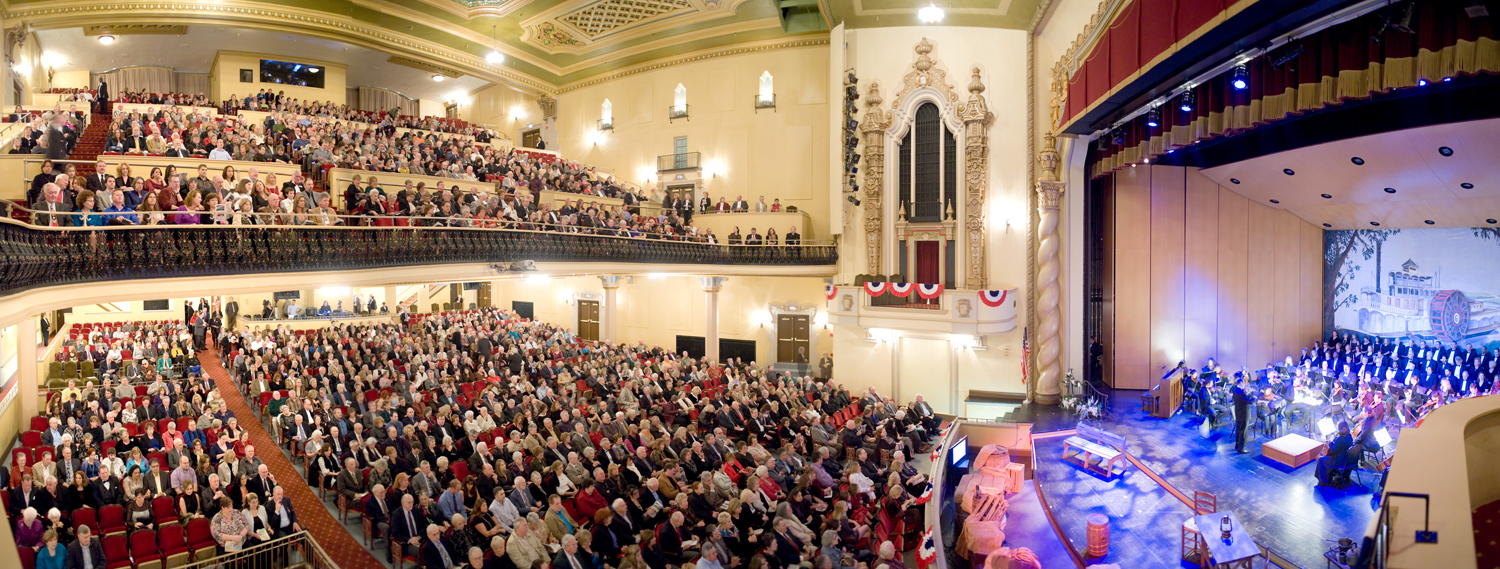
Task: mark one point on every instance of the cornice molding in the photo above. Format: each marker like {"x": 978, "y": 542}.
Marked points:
{"x": 276, "y": 18}
{"x": 581, "y": 42}
{"x": 752, "y": 47}
{"x": 746, "y": 26}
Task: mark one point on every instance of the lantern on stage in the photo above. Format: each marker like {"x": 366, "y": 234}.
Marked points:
{"x": 1225, "y": 526}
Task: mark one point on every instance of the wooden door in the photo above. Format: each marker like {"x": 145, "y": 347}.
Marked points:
{"x": 530, "y": 138}
{"x": 588, "y": 319}
{"x": 793, "y": 331}
{"x": 484, "y": 295}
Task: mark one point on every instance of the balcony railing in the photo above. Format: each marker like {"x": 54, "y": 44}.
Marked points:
{"x": 33, "y": 256}
{"x": 681, "y": 161}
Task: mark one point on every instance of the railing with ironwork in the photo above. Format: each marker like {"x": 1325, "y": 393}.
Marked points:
{"x": 678, "y": 161}
{"x": 33, "y": 256}
{"x": 298, "y": 549}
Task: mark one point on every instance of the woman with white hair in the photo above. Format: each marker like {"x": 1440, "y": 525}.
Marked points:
{"x": 29, "y": 530}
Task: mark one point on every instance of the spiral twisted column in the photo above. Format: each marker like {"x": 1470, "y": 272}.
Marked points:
{"x": 1049, "y": 193}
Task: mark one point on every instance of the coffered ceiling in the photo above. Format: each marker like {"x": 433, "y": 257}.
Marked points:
{"x": 549, "y": 44}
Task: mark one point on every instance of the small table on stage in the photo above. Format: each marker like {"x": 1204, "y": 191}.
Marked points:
{"x": 1292, "y": 450}
{"x": 1235, "y": 555}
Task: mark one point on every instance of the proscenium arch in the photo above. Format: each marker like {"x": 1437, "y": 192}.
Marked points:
{"x": 903, "y": 119}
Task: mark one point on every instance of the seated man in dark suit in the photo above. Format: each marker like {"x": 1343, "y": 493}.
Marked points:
{"x": 435, "y": 549}
{"x": 1337, "y": 457}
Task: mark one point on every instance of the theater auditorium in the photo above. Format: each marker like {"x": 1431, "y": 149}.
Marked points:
{"x": 750, "y": 284}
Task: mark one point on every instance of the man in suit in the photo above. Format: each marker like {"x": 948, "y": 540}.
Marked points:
{"x": 55, "y": 139}
{"x": 102, "y": 99}
{"x": 1337, "y": 457}
{"x": 435, "y": 550}
{"x": 67, "y": 465}
{"x": 676, "y": 545}
{"x": 793, "y": 238}
{"x": 53, "y": 209}
{"x": 788, "y": 547}
{"x": 107, "y": 489}
{"x": 280, "y": 515}
{"x": 158, "y": 481}
{"x": 567, "y": 557}
{"x": 87, "y": 552}
{"x": 263, "y": 483}
{"x": 177, "y": 149}
{"x": 23, "y": 496}
{"x": 378, "y": 511}
{"x": 350, "y": 482}
{"x": 406, "y": 527}
{"x": 558, "y": 523}
{"x": 1242, "y": 403}
{"x": 95, "y": 182}
{"x": 739, "y": 205}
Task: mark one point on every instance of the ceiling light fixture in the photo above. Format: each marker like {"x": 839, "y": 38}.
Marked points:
{"x": 1327, "y": 225}
{"x": 1240, "y": 77}
{"x": 1390, "y": 190}
{"x": 1357, "y": 161}
{"x": 494, "y": 57}
{"x": 931, "y": 14}
{"x": 1187, "y": 101}
{"x": 313, "y": 70}
{"x": 437, "y": 77}
{"x": 1153, "y": 117}
{"x": 106, "y": 39}
{"x": 1466, "y": 186}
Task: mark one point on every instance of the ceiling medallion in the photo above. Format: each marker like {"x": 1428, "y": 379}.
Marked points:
{"x": 549, "y": 35}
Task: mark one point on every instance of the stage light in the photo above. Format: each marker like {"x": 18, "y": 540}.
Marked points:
{"x": 854, "y": 201}
{"x": 1421, "y": 82}
{"x": 106, "y": 39}
{"x": 1153, "y": 117}
{"x": 1187, "y": 101}
{"x": 1447, "y": 79}
{"x": 1325, "y": 426}
{"x": 1240, "y": 77}
{"x": 1117, "y": 138}
{"x": 931, "y": 14}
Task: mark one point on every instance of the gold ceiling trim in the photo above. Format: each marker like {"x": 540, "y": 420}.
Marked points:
{"x": 135, "y": 29}
{"x": 448, "y": 72}
{"x": 262, "y": 16}
{"x": 746, "y": 26}
{"x": 487, "y": 42}
{"x": 582, "y": 26}
{"x": 752, "y": 47}
{"x": 470, "y": 12}
{"x": 1001, "y": 10}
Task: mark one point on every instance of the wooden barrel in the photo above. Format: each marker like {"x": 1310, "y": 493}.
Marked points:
{"x": 1098, "y": 536}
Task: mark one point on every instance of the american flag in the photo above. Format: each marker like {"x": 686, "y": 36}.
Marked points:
{"x": 1025, "y": 351}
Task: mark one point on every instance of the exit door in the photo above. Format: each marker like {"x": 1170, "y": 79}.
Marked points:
{"x": 484, "y": 295}
{"x": 588, "y": 319}
{"x": 793, "y": 335}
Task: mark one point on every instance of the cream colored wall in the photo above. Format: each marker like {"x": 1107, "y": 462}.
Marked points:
{"x": 71, "y": 79}
{"x": 885, "y": 55}
{"x": 224, "y": 78}
{"x": 430, "y": 108}
{"x": 657, "y": 310}
{"x": 503, "y": 108}
{"x": 1204, "y": 272}
{"x": 781, "y": 153}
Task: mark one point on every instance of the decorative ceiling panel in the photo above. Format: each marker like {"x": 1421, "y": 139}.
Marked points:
{"x": 610, "y": 15}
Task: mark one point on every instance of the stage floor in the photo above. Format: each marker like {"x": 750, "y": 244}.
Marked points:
{"x": 1281, "y": 507}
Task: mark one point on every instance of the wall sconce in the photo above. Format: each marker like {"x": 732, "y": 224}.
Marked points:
{"x": 565, "y": 296}
{"x": 761, "y": 318}
{"x": 882, "y": 335}
{"x": 820, "y": 320}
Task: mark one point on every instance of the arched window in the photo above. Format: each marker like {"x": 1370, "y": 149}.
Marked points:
{"x": 679, "y": 101}
{"x": 928, "y": 157}
{"x": 606, "y": 115}
{"x": 767, "y": 89}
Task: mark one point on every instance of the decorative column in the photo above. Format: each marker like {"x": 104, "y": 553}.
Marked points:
{"x": 607, "y": 315}
{"x": 1049, "y": 193}
{"x": 874, "y": 125}
{"x": 26, "y": 349}
{"x": 711, "y": 288}
{"x": 976, "y": 116}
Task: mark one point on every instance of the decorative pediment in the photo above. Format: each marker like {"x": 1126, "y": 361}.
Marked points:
{"x": 926, "y": 73}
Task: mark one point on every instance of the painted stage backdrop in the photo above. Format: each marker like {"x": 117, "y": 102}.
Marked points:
{"x": 1430, "y": 284}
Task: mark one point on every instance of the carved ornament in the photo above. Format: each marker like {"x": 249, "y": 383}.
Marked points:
{"x": 925, "y": 73}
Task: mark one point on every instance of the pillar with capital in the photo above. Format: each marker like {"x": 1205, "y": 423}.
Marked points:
{"x": 607, "y": 315}
{"x": 711, "y": 288}
{"x": 1049, "y": 191}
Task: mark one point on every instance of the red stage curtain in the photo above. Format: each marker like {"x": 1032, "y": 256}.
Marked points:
{"x": 1340, "y": 63}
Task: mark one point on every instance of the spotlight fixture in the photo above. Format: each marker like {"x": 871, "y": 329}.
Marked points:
{"x": 1390, "y": 190}
{"x": 931, "y": 14}
{"x": 1327, "y": 225}
{"x": 1375, "y": 223}
{"x": 1239, "y": 78}
{"x": 1153, "y": 117}
{"x": 1235, "y": 181}
{"x": 1327, "y": 197}
{"x": 1286, "y": 53}
{"x": 1429, "y": 222}
{"x": 1447, "y": 79}
{"x": 1275, "y": 201}
{"x": 854, "y": 201}
{"x": 1421, "y": 82}
{"x": 1187, "y": 101}
{"x": 1466, "y": 186}
{"x": 1288, "y": 171}
{"x": 1403, "y": 17}
{"x": 1357, "y": 161}
{"x": 1491, "y": 220}
{"x": 1445, "y": 151}
{"x": 106, "y": 39}
{"x": 437, "y": 77}
{"x": 1117, "y": 138}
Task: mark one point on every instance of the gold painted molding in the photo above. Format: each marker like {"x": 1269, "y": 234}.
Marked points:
{"x": 751, "y": 47}
{"x": 135, "y": 29}
{"x": 258, "y": 15}
{"x": 747, "y": 26}
{"x": 695, "y": 11}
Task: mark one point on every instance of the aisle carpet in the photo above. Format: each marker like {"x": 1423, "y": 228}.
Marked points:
{"x": 311, "y": 513}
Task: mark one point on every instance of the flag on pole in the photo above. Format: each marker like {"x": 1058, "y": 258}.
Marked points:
{"x": 1025, "y": 352}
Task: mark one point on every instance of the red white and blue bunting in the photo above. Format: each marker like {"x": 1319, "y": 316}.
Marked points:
{"x": 900, "y": 289}
{"x": 993, "y": 298}
{"x": 875, "y": 289}
{"x": 831, "y": 290}
{"x": 926, "y": 495}
{"x": 929, "y": 291}
{"x": 937, "y": 453}
{"x": 927, "y": 552}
